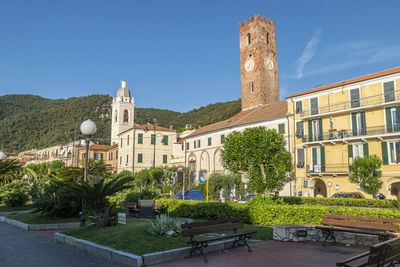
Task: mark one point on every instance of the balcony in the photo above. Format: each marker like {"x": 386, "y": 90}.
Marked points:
{"x": 344, "y": 135}
{"x": 327, "y": 169}
{"x": 347, "y": 106}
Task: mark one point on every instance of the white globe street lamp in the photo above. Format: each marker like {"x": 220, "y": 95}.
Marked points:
{"x": 88, "y": 128}
{"x": 2, "y": 155}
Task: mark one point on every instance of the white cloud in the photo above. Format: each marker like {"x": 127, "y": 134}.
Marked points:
{"x": 308, "y": 53}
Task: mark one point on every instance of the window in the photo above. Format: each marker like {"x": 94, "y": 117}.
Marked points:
{"x": 299, "y": 129}
{"x": 140, "y": 158}
{"x": 299, "y": 107}
{"x": 300, "y": 158}
{"x": 165, "y": 159}
{"x": 194, "y": 144}
{"x": 315, "y": 130}
{"x": 358, "y": 123}
{"x": 121, "y": 141}
{"x": 83, "y": 155}
{"x": 56, "y": 152}
{"x": 281, "y": 128}
{"x": 127, "y": 140}
{"x": 305, "y": 185}
{"x": 116, "y": 115}
{"x": 267, "y": 37}
{"x": 248, "y": 38}
{"x": 140, "y": 138}
{"x": 183, "y": 146}
{"x": 394, "y": 152}
{"x": 153, "y": 139}
{"x": 120, "y": 160}
{"x": 392, "y": 119}
{"x": 198, "y": 143}
{"x": 318, "y": 159}
{"x": 116, "y": 154}
{"x": 222, "y": 138}
{"x": 98, "y": 156}
{"x": 388, "y": 90}
{"x": 165, "y": 140}
{"x": 355, "y": 98}
{"x": 127, "y": 159}
{"x": 187, "y": 145}
{"x": 126, "y": 116}
{"x": 314, "y": 105}
{"x": 251, "y": 87}
{"x": 209, "y": 141}
{"x": 358, "y": 151}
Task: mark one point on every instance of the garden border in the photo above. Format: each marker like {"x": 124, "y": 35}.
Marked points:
{"x": 132, "y": 259}
{"x": 44, "y": 226}
{"x": 6, "y": 213}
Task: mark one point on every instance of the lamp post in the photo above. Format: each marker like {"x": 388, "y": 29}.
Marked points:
{"x": 155, "y": 140}
{"x": 2, "y": 155}
{"x": 88, "y": 128}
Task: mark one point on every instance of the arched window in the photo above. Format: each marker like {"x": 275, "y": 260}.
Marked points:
{"x": 248, "y": 38}
{"x": 116, "y": 115}
{"x": 267, "y": 37}
{"x": 126, "y": 116}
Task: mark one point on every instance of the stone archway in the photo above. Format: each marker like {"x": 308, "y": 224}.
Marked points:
{"x": 192, "y": 168}
{"x": 205, "y": 161}
{"x": 320, "y": 188}
{"x": 395, "y": 189}
{"x": 218, "y": 161}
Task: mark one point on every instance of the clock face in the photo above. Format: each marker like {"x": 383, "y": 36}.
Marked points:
{"x": 268, "y": 63}
{"x": 249, "y": 65}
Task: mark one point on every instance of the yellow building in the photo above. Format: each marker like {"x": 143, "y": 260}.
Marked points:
{"x": 336, "y": 123}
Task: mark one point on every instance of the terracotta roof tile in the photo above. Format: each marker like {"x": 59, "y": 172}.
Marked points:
{"x": 261, "y": 113}
{"x": 102, "y": 147}
{"x": 354, "y": 80}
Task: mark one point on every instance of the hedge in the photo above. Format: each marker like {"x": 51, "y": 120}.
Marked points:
{"x": 263, "y": 212}
{"x": 349, "y": 202}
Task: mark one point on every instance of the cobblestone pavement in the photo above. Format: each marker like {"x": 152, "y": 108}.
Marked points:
{"x": 23, "y": 248}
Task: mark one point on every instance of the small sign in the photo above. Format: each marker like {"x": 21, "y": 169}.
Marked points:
{"x": 203, "y": 176}
{"x": 245, "y": 178}
{"x": 121, "y": 218}
{"x": 337, "y": 186}
{"x": 329, "y": 184}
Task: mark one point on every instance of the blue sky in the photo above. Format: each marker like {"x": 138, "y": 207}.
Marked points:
{"x": 181, "y": 55}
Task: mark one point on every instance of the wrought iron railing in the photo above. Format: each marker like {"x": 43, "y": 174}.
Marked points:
{"x": 327, "y": 168}
{"x": 362, "y": 102}
{"x": 343, "y": 134}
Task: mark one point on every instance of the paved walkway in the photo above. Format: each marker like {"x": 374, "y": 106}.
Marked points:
{"x": 272, "y": 254}
{"x": 22, "y": 248}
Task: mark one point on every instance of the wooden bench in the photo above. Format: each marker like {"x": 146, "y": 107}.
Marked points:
{"x": 382, "y": 227}
{"x": 198, "y": 244}
{"x": 131, "y": 208}
{"x": 387, "y": 252}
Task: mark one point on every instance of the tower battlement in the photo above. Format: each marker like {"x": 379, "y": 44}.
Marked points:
{"x": 256, "y": 18}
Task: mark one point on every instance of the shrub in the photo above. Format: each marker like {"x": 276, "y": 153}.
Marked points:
{"x": 163, "y": 223}
{"x": 55, "y": 204}
{"x": 15, "y": 194}
{"x": 349, "y": 202}
{"x": 135, "y": 196}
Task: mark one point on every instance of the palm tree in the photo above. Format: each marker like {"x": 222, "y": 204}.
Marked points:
{"x": 9, "y": 169}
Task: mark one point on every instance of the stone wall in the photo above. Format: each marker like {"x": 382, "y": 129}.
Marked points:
{"x": 289, "y": 233}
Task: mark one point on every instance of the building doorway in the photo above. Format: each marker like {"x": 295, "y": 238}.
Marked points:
{"x": 320, "y": 188}
{"x": 395, "y": 189}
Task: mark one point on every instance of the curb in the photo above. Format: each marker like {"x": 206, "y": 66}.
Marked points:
{"x": 29, "y": 227}
{"x": 100, "y": 251}
{"x": 132, "y": 259}
{"x": 6, "y": 213}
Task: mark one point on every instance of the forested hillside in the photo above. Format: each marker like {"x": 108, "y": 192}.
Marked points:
{"x": 29, "y": 121}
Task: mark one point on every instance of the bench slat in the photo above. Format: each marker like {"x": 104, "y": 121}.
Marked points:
{"x": 212, "y": 229}
{"x": 369, "y": 219}
{"x": 358, "y": 224}
{"x": 199, "y": 224}
{"x": 356, "y": 231}
{"x": 213, "y": 238}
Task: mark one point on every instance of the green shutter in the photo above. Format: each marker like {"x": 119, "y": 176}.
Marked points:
{"x": 354, "y": 123}
{"x": 153, "y": 139}
{"x": 310, "y": 137}
{"x": 140, "y": 158}
{"x": 320, "y": 137}
{"x": 128, "y": 140}
{"x": 322, "y": 149}
{"x": 140, "y": 138}
{"x": 222, "y": 138}
{"x": 396, "y": 127}
{"x": 183, "y": 146}
{"x": 365, "y": 150}
{"x": 385, "y": 157}
{"x": 389, "y": 128}
{"x": 101, "y": 156}
{"x": 350, "y": 150}
{"x": 165, "y": 159}
{"x": 281, "y": 128}
{"x": 209, "y": 141}
{"x": 314, "y": 155}
{"x": 187, "y": 145}
{"x": 165, "y": 140}
{"x": 363, "y": 124}
{"x": 198, "y": 143}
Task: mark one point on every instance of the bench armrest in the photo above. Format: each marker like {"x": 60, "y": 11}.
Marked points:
{"x": 359, "y": 256}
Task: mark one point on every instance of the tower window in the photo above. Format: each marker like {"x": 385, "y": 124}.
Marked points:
{"x": 267, "y": 37}
{"x": 116, "y": 116}
{"x": 248, "y": 38}
{"x": 251, "y": 86}
{"x": 126, "y": 116}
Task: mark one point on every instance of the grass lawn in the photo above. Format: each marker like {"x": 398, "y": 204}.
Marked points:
{"x": 38, "y": 218}
{"x": 138, "y": 241}
{"x": 4, "y": 208}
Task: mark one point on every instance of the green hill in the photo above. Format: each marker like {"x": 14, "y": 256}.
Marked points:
{"x": 30, "y": 121}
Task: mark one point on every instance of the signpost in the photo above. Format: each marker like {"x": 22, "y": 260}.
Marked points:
{"x": 203, "y": 179}
{"x": 122, "y": 220}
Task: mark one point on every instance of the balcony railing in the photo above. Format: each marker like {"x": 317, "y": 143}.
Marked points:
{"x": 343, "y": 134}
{"x": 328, "y": 168}
{"x": 362, "y": 102}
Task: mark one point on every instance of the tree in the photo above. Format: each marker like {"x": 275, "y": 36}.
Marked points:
{"x": 9, "y": 169}
{"x": 260, "y": 154}
{"x": 366, "y": 172}
{"x": 227, "y": 182}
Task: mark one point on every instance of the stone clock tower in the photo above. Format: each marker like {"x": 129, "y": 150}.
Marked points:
{"x": 258, "y": 64}
{"x": 123, "y": 108}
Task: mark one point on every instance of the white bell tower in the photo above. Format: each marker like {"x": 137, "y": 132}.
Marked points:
{"x": 123, "y": 108}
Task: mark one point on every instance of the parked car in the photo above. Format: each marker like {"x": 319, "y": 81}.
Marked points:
{"x": 348, "y": 195}
{"x": 246, "y": 198}
{"x": 380, "y": 196}
{"x": 191, "y": 195}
